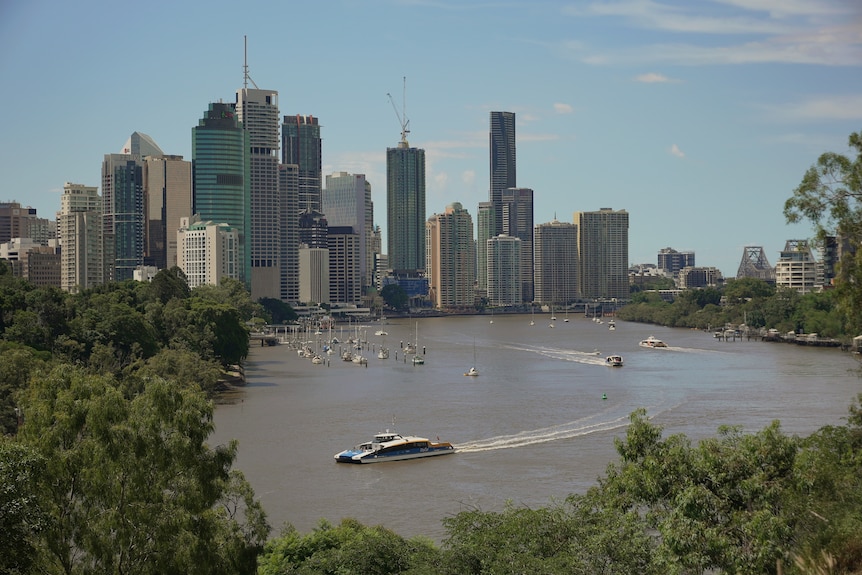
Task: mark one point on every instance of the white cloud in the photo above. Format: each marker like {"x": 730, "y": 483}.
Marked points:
{"x": 793, "y": 31}
{"x": 652, "y": 78}
{"x": 468, "y": 177}
{"x": 561, "y": 108}
{"x": 675, "y": 151}
{"x": 821, "y": 108}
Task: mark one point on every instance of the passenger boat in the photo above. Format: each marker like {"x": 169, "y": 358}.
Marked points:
{"x": 390, "y": 446}
{"x": 614, "y": 360}
{"x": 652, "y": 342}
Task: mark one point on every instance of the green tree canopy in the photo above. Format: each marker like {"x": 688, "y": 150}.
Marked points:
{"x": 830, "y": 198}
{"x": 131, "y": 485}
{"x": 395, "y": 297}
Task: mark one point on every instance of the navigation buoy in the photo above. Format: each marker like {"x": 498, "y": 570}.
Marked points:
{"x": 604, "y": 396}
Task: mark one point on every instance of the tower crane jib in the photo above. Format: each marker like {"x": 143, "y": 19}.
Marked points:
{"x": 402, "y": 117}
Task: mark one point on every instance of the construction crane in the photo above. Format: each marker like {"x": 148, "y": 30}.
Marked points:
{"x": 402, "y": 117}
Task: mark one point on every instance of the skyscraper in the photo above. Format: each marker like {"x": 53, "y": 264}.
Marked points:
{"x": 167, "y": 199}
{"x": 603, "y": 245}
{"x": 305, "y": 224}
{"x": 79, "y": 223}
{"x": 405, "y": 207}
{"x": 517, "y": 204}
{"x": 485, "y": 223}
{"x": 301, "y": 145}
{"x": 504, "y": 271}
{"x": 220, "y": 166}
{"x": 122, "y": 215}
{"x": 556, "y": 252}
{"x": 450, "y": 263}
{"x": 347, "y": 202}
{"x": 288, "y": 187}
{"x": 503, "y": 162}
{"x": 344, "y": 279}
{"x": 257, "y": 112}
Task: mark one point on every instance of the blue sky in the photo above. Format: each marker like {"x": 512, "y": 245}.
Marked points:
{"x": 698, "y": 117}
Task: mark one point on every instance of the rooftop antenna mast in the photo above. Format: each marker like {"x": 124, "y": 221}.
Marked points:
{"x": 402, "y": 117}
{"x": 245, "y": 77}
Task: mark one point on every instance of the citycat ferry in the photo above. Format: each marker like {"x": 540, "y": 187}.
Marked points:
{"x": 390, "y": 446}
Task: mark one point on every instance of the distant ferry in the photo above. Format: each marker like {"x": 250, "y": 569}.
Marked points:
{"x": 653, "y": 342}
{"x": 389, "y": 446}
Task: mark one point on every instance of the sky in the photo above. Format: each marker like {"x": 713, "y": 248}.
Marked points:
{"x": 697, "y": 117}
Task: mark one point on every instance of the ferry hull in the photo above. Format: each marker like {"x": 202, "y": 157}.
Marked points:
{"x": 351, "y": 456}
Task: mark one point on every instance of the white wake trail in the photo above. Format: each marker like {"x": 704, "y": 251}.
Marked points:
{"x": 547, "y": 434}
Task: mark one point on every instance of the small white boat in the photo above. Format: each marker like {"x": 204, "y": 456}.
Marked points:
{"x": 390, "y": 446}
{"x": 612, "y": 325}
{"x": 383, "y": 353}
{"x": 472, "y": 372}
{"x": 418, "y": 360}
{"x": 614, "y": 360}
{"x": 359, "y": 359}
{"x": 316, "y": 360}
{"x": 381, "y": 332}
{"x": 652, "y": 342}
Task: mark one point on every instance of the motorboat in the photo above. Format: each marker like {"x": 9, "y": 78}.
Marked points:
{"x": 390, "y": 446}
{"x": 418, "y": 360}
{"x": 383, "y": 353}
{"x": 614, "y": 360}
{"x": 381, "y": 332}
{"x": 317, "y": 360}
{"x": 472, "y": 372}
{"x": 612, "y": 325}
{"x": 652, "y": 342}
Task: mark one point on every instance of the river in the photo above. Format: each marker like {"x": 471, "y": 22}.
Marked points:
{"x": 537, "y": 424}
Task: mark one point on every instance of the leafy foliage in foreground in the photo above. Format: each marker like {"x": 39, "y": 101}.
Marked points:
{"x": 126, "y": 482}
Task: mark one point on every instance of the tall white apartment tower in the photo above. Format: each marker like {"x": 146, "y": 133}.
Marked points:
{"x": 450, "y": 260}
{"x": 347, "y": 202}
{"x": 556, "y": 276}
{"x": 504, "y": 270}
{"x": 79, "y": 225}
{"x": 603, "y": 245}
{"x": 257, "y": 111}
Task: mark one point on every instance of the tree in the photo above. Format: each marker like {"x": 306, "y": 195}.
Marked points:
{"x": 231, "y": 292}
{"x": 17, "y": 362}
{"x": 395, "y": 297}
{"x": 130, "y": 484}
{"x": 278, "y": 311}
{"x": 830, "y": 197}
{"x": 21, "y": 513}
{"x": 169, "y": 284}
{"x": 349, "y": 547}
{"x": 721, "y": 505}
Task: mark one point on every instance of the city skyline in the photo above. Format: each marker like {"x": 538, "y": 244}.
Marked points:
{"x": 699, "y": 121}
